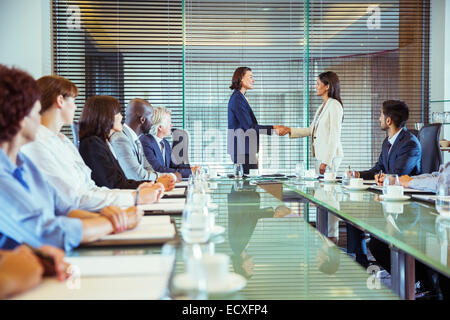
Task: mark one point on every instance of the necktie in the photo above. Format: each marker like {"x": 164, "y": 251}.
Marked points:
{"x": 138, "y": 149}
{"x": 389, "y": 145}
{"x": 18, "y": 175}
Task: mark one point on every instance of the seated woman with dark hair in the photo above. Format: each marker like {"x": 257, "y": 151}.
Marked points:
{"x": 32, "y": 210}
{"x": 99, "y": 120}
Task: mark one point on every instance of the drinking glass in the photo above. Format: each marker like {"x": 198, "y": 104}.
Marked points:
{"x": 390, "y": 180}
{"x": 443, "y": 195}
{"x": 299, "y": 171}
{"x": 238, "y": 171}
{"x": 195, "y": 223}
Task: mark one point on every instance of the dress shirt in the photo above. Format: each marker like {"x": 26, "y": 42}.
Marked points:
{"x": 392, "y": 140}
{"x": 32, "y": 211}
{"x": 426, "y": 182}
{"x": 57, "y": 157}
{"x": 161, "y": 146}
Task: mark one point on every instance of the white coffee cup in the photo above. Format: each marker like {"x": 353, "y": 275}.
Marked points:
{"x": 356, "y": 182}
{"x": 329, "y": 175}
{"x": 394, "y": 191}
{"x": 214, "y": 267}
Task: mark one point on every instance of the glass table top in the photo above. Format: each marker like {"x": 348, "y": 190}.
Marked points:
{"x": 414, "y": 227}
{"x": 274, "y": 249}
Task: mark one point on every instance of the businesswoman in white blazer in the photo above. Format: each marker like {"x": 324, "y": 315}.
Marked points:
{"x": 325, "y": 131}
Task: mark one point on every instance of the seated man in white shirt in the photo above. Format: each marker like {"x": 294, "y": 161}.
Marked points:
{"x": 128, "y": 148}
{"x": 425, "y": 182}
{"x": 58, "y": 159}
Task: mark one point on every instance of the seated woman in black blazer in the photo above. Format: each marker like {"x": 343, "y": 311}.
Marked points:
{"x": 100, "y": 118}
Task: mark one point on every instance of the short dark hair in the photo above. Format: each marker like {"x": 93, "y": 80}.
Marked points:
{"x": 18, "y": 94}
{"x": 97, "y": 118}
{"x": 51, "y": 87}
{"x": 238, "y": 74}
{"x": 397, "y": 110}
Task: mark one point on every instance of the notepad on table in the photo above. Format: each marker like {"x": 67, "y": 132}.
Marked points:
{"x": 165, "y": 206}
{"x": 151, "y": 230}
{"x": 175, "y": 193}
{"x": 406, "y": 190}
{"x": 181, "y": 184}
{"x": 108, "y": 277}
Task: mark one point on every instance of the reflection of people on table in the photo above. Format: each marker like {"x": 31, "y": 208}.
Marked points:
{"x": 243, "y": 214}
{"x": 328, "y": 257}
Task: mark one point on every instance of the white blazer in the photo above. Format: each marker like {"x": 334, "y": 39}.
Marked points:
{"x": 327, "y": 142}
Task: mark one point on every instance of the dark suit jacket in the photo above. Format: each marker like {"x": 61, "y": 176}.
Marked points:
{"x": 241, "y": 116}
{"x": 154, "y": 156}
{"x": 404, "y": 157}
{"x": 106, "y": 171}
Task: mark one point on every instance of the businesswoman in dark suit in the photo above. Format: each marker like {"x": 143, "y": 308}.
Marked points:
{"x": 100, "y": 119}
{"x": 241, "y": 116}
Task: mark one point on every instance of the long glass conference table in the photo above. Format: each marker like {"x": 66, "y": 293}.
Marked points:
{"x": 413, "y": 230}
{"x": 272, "y": 247}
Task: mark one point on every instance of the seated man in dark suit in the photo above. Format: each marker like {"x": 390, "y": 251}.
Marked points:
{"x": 157, "y": 150}
{"x": 400, "y": 154}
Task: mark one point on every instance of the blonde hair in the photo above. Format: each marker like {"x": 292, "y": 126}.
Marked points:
{"x": 159, "y": 118}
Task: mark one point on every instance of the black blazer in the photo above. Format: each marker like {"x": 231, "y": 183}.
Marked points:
{"x": 106, "y": 171}
{"x": 404, "y": 158}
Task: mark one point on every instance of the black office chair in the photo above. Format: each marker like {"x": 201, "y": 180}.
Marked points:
{"x": 431, "y": 152}
{"x": 75, "y": 126}
{"x": 180, "y": 146}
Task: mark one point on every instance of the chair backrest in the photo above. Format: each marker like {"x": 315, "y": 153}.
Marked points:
{"x": 431, "y": 152}
{"x": 75, "y": 126}
{"x": 180, "y": 146}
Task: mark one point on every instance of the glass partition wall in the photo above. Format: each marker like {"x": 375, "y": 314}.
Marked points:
{"x": 182, "y": 55}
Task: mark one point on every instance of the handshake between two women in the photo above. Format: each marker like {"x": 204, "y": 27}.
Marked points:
{"x": 281, "y": 130}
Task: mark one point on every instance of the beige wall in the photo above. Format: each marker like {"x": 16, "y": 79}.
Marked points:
{"x": 25, "y": 38}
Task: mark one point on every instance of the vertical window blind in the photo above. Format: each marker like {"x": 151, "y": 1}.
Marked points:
{"x": 182, "y": 55}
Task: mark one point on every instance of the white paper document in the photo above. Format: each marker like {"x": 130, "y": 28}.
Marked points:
{"x": 181, "y": 184}
{"x": 168, "y": 205}
{"x": 406, "y": 190}
{"x": 108, "y": 277}
{"x": 156, "y": 227}
{"x": 176, "y": 192}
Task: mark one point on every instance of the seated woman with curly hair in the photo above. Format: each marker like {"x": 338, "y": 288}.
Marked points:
{"x": 32, "y": 210}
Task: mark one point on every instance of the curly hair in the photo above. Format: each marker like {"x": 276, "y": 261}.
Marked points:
{"x": 97, "y": 118}
{"x": 18, "y": 93}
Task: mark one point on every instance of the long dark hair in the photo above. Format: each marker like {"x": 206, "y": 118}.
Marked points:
{"x": 238, "y": 74}
{"x": 97, "y": 118}
{"x": 331, "y": 78}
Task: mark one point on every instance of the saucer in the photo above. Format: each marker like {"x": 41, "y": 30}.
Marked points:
{"x": 402, "y": 198}
{"x": 329, "y": 180}
{"x": 235, "y": 282}
{"x": 309, "y": 178}
{"x": 354, "y": 188}
{"x": 217, "y": 230}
